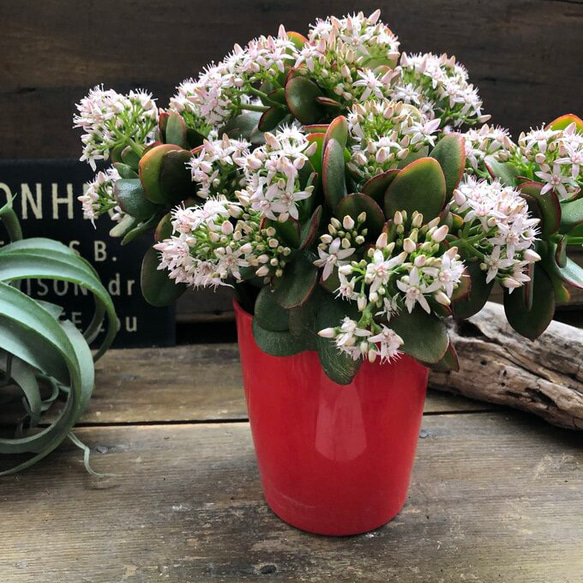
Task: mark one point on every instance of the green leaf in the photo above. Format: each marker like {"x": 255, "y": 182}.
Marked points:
{"x": 505, "y": 172}
{"x": 337, "y": 130}
{"x": 333, "y": 173}
{"x": 176, "y": 182}
{"x": 271, "y": 118}
{"x": 449, "y": 362}
{"x": 150, "y": 170}
{"x": 302, "y": 320}
{"x": 565, "y": 120}
{"x": 547, "y": 207}
{"x": 377, "y": 185}
{"x": 130, "y": 158}
{"x": 478, "y": 294}
{"x": 132, "y": 198}
{"x": 125, "y": 171}
{"x": 276, "y": 343}
{"x": 424, "y": 335}
{"x": 175, "y": 132}
{"x": 309, "y": 230}
{"x": 300, "y": 94}
{"x": 451, "y": 155}
{"x": 316, "y": 157}
{"x": 418, "y": 187}
{"x": 287, "y": 232}
{"x": 157, "y": 288}
{"x": 299, "y": 40}
{"x": 297, "y": 283}
{"x": 269, "y": 314}
{"x": 571, "y": 215}
{"x": 571, "y": 273}
{"x": 122, "y": 228}
{"x": 531, "y": 323}
{"x": 245, "y": 126}
{"x": 354, "y": 204}
{"x": 338, "y": 366}
{"x": 164, "y": 229}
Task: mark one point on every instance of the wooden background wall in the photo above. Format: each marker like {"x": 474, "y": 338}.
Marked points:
{"x": 524, "y": 55}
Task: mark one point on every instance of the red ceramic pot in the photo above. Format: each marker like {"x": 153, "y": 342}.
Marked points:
{"x": 334, "y": 459}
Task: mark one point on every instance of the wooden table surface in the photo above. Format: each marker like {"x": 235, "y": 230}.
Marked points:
{"x": 496, "y": 496}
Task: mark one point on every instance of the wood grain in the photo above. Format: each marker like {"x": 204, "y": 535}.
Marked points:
{"x": 544, "y": 376}
{"x": 494, "y": 498}
{"x": 190, "y": 383}
{"x": 520, "y": 53}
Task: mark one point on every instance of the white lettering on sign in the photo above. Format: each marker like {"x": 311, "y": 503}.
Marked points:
{"x": 27, "y": 201}
{"x": 67, "y": 200}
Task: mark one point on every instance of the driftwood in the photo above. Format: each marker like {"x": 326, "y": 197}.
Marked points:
{"x": 544, "y": 377}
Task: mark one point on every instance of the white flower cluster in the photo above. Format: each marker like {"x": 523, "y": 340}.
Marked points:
{"x": 385, "y": 133}
{"x": 216, "y": 164}
{"x": 489, "y": 141}
{"x": 216, "y": 241}
{"x": 98, "y": 197}
{"x": 390, "y": 276}
{"x": 375, "y": 340}
{"x": 273, "y": 171}
{"x": 497, "y": 229}
{"x": 439, "y": 83}
{"x": 110, "y": 119}
{"x": 222, "y": 90}
{"x": 351, "y": 58}
{"x": 554, "y": 157}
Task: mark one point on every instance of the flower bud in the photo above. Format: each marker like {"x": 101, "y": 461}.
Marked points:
{"x": 345, "y": 269}
{"x": 531, "y": 256}
{"x": 359, "y": 240}
{"x": 510, "y": 283}
{"x": 361, "y": 217}
{"x": 441, "y": 298}
{"x": 420, "y": 260}
{"x": 409, "y": 245}
{"x": 417, "y": 219}
{"x": 382, "y": 241}
{"x": 327, "y": 333}
{"x": 361, "y": 303}
{"x": 439, "y": 234}
{"x": 348, "y": 223}
{"x": 246, "y": 249}
{"x": 227, "y": 228}
{"x": 327, "y": 239}
{"x": 262, "y": 271}
{"x": 398, "y": 218}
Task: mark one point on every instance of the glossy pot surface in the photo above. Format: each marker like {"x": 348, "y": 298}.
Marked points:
{"x": 334, "y": 459}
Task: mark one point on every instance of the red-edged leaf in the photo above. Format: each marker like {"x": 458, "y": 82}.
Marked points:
{"x": 354, "y": 204}
{"x": 451, "y": 155}
{"x": 376, "y": 186}
{"x": 565, "y": 120}
{"x": 300, "y": 94}
{"x": 337, "y": 129}
{"x": 333, "y": 173}
{"x": 547, "y": 208}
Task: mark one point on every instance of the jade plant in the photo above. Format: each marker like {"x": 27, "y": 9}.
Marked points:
{"x": 43, "y": 356}
{"x": 338, "y": 186}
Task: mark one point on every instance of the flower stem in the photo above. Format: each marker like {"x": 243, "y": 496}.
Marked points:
{"x": 251, "y": 107}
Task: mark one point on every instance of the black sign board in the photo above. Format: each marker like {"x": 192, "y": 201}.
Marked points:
{"x": 45, "y": 198}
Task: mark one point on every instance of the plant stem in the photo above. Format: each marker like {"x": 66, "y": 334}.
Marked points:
{"x": 139, "y": 150}
{"x": 251, "y": 107}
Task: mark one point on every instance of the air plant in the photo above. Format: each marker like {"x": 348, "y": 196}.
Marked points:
{"x": 327, "y": 180}
{"x": 43, "y": 356}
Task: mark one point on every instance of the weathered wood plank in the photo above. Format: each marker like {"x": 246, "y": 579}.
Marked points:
{"x": 494, "y": 497}
{"x": 189, "y": 383}
{"x": 518, "y": 52}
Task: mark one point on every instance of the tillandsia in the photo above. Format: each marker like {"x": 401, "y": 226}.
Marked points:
{"x": 43, "y": 356}
{"x": 348, "y": 193}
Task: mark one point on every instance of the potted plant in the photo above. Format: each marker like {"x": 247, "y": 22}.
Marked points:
{"x": 43, "y": 356}
{"x": 327, "y": 180}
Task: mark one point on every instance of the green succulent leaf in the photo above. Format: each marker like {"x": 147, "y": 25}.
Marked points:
{"x": 276, "y": 343}
{"x": 150, "y": 171}
{"x": 565, "y": 120}
{"x": 271, "y": 118}
{"x": 300, "y": 94}
{"x": 334, "y": 173}
{"x": 132, "y": 199}
{"x": 157, "y": 288}
{"x": 450, "y": 361}
{"x": 505, "y": 172}
{"x": 547, "y": 207}
{"x": 376, "y": 186}
{"x": 425, "y": 335}
{"x": 175, "y": 132}
{"x": 571, "y": 215}
{"x": 532, "y": 322}
{"x": 125, "y": 171}
{"x": 269, "y": 314}
{"x": 297, "y": 283}
{"x": 338, "y": 366}
{"x": 309, "y": 230}
{"x": 175, "y": 178}
{"x": 420, "y": 186}
{"x": 471, "y": 303}
{"x": 316, "y": 157}
{"x": 354, "y": 204}
{"x": 451, "y": 155}
{"x": 338, "y": 130}
{"x": 288, "y": 232}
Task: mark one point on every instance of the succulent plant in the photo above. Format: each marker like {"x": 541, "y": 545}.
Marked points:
{"x": 42, "y": 355}
{"x": 321, "y": 178}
